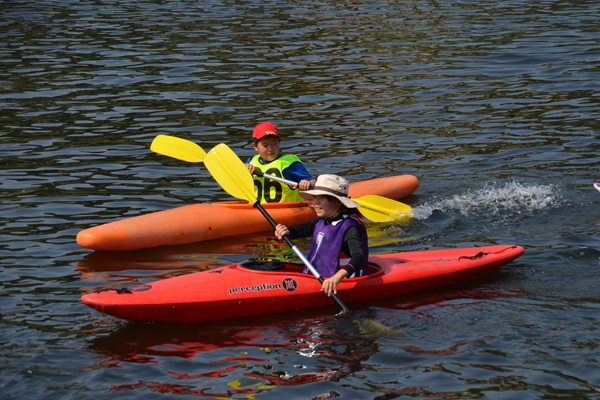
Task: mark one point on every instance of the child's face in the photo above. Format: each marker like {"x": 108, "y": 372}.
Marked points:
{"x": 268, "y": 147}
{"x": 326, "y": 206}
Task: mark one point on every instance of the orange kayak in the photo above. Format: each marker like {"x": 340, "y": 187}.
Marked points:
{"x": 199, "y": 222}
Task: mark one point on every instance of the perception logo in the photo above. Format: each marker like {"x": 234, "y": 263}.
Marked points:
{"x": 289, "y": 284}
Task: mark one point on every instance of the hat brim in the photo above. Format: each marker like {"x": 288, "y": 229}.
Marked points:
{"x": 348, "y": 202}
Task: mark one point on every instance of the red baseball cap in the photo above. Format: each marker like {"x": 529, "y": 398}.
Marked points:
{"x": 264, "y": 129}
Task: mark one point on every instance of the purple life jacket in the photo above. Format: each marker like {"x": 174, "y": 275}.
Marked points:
{"x": 325, "y": 250}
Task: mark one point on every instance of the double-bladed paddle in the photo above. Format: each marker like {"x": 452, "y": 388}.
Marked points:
{"x": 233, "y": 176}
{"x": 178, "y": 148}
{"x": 374, "y": 208}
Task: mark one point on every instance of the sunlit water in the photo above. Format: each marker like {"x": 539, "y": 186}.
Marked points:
{"x": 493, "y": 105}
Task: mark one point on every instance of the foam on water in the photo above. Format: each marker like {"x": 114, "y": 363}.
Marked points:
{"x": 507, "y": 200}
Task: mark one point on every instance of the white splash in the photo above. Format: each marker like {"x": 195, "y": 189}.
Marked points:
{"x": 508, "y": 200}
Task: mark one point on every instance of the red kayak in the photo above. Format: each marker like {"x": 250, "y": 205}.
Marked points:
{"x": 253, "y": 288}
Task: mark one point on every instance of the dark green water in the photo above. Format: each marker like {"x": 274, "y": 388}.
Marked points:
{"x": 493, "y": 105}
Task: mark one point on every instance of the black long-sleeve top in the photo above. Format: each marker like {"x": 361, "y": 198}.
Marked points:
{"x": 351, "y": 243}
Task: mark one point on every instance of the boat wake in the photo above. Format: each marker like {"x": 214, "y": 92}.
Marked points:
{"x": 506, "y": 201}
{"x": 492, "y": 210}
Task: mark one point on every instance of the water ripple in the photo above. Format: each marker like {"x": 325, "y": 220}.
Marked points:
{"x": 492, "y": 105}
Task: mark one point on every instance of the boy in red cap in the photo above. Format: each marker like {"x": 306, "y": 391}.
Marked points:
{"x": 270, "y": 161}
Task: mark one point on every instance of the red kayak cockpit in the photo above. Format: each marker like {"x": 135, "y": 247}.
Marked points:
{"x": 281, "y": 267}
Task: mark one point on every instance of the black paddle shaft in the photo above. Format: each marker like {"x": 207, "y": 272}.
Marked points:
{"x": 289, "y": 242}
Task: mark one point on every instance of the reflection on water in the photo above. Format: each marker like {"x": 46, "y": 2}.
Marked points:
{"x": 493, "y": 105}
{"x": 259, "y": 358}
{"x": 288, "y": 349}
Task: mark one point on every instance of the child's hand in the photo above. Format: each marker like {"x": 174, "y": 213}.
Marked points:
{"x": 304, "y": 184}
{"x": 281, "y": 231}
{"x": 250, "y": 168}
{"x": 330, "y": 284}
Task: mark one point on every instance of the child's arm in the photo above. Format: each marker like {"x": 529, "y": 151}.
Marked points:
{"x": 304, "y": 229}
{"x": 352, "y": 245}
{"x": 250, "y": 167}
{"x": 306, "y": 185}
{"x": 297, "y": 172}
{"x": 330, "y": 284}
{"x": 281, "y": 231}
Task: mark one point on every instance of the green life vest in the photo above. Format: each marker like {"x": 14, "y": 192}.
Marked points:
{"x": 270, "y": 191}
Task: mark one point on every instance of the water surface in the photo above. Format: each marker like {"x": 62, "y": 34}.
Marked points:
{"x": 493, "y": 105}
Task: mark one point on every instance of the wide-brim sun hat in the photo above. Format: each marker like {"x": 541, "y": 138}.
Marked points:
{"x": 331, "y": 185}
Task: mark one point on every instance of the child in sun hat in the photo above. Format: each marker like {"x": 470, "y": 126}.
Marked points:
{"x": 266, "y": 140}
{"x": 337, "y": 229}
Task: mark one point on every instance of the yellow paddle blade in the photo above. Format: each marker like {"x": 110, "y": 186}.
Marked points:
{"x": 178, "y": 148}
{"x": 230, "y": 172}
{"x": 382, "y": 209}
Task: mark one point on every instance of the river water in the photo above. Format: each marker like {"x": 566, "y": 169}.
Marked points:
{"x": 492, "y": 104}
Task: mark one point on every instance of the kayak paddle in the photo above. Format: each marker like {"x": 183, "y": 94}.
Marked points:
{"x": 233, "y": 176}
{"x": 374, "y": 208}
{"x": 175, "y": 147}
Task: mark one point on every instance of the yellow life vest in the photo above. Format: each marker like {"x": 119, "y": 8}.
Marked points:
{"x": 270, "y": 191}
